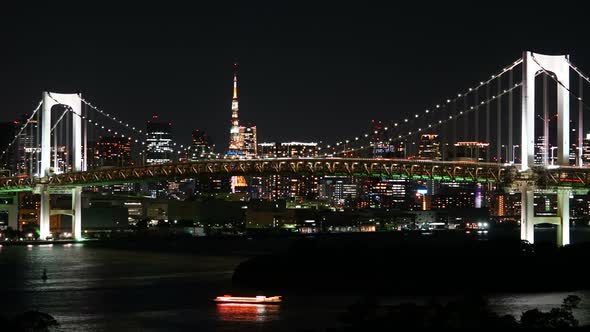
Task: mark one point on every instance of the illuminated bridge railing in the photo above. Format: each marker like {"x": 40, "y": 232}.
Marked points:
{"x": 392, "y": 168}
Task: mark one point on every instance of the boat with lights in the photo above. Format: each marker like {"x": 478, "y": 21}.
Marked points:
{"x": 260, "y": 299}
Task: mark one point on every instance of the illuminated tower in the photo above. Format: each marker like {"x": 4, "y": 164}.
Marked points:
{"x": 235, "y": 146}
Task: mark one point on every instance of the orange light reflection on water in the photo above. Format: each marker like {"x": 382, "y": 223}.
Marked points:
{"x": 247, "y": 312}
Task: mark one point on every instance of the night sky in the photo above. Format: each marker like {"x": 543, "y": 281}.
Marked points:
{"x": 307, "y": 72}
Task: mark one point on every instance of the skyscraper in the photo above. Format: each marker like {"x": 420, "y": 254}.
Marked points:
{"x": 7, "y": 132}
{"x": 159, "y": 139}
{"x": 429, "y": 148}
{"x": 113, "y": 151}
{"x": 248, "y": 141}
{"x": 201, "y": 146}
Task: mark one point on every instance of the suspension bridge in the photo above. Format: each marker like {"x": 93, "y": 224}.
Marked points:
{"x": 498, "y": 110}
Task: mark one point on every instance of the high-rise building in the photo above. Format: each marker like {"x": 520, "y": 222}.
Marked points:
{"x": 380, "y": 140}
{"x": 471, "y": 151}
{"x": 429, "y": 148}
{"x": 159, "y": 142}
{"x": 201, "y": 146}
{"x": 267, "y": 150}
{"x": 586, "y": 149}
{"x": 7, "y": 161}
{"x": 113, "y": 151}
{"x": 544, "y": 151}
{"x": 27, "y": 154}
{"x": 248, "y": 142}
{"x": 378, "y": 192}
{"x": 297, "y": 149}
{"x": 341, "y": 190}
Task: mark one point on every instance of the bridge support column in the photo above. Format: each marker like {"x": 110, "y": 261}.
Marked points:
{"x": 13, "y": 213}
{"x": 77, "y": 216}
{"x": 563, "y": 212}
{"x": 527, "y": 213}
{"x": 44, "y": 213}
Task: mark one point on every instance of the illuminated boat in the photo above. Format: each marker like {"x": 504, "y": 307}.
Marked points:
{"x": 249, "y": 299}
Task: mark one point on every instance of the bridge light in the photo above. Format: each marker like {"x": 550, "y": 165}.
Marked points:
{"x": 405, "y": 120}
{"x": 437, "y": 106}
{"x": 427, "y": 111}
{"x": 458, "y": 95}
{"x": 448, "y": 100}
{"x": 416, "y": 115}
{"x": 395, "y": 124}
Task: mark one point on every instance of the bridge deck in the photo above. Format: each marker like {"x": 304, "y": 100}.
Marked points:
{"x": 392, "y": 168}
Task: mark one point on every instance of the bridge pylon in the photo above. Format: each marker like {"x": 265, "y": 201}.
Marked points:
{"x": 74, "y": 102}
{"x": 558, "y": 65}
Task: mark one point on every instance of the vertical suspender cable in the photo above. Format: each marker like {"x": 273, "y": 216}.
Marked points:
{"x": 476, "y": 120}
{"x": 488, "y": 151}
{"x": 580, "y": 123}
{"x": 499, "y": 122}
{"x": 510, "y": 118}
{"x": 476, "y": 116}
{"x": 38, "y": 145}
{"x": 85, "y": 141}
{"x": 68, "y": 148}
{"x": 28, "y": 151}
{"x": 465, "y": 119}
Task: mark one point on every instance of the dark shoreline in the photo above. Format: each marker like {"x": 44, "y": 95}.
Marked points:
{"x": 439, "y": 265}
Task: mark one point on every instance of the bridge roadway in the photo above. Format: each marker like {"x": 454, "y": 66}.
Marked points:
{"x": 460, "y": 171}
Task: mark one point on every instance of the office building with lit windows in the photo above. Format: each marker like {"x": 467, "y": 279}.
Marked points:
{"x": 429, "y": 148}
{"x": 159, "y": 142}
{"x": 201, "y": 146}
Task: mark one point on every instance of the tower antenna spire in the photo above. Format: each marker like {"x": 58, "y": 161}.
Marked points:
{"x": 235, "y": 81}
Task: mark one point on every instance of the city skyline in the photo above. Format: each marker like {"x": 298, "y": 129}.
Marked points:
{"x": 288, "y": 70}
{"x": 258, "y": 166}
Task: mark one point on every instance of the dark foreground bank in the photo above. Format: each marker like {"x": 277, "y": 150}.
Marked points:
{"x": 417, "y": 265}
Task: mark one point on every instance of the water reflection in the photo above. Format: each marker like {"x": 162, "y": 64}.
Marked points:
{"x": 247, "y": 312}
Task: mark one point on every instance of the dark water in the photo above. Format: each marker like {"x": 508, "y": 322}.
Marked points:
{"x": 92, "y": 289}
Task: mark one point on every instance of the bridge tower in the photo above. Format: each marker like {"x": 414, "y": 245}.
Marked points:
{"x": 74, "y": 103}
{"x": 558, "y": 65}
